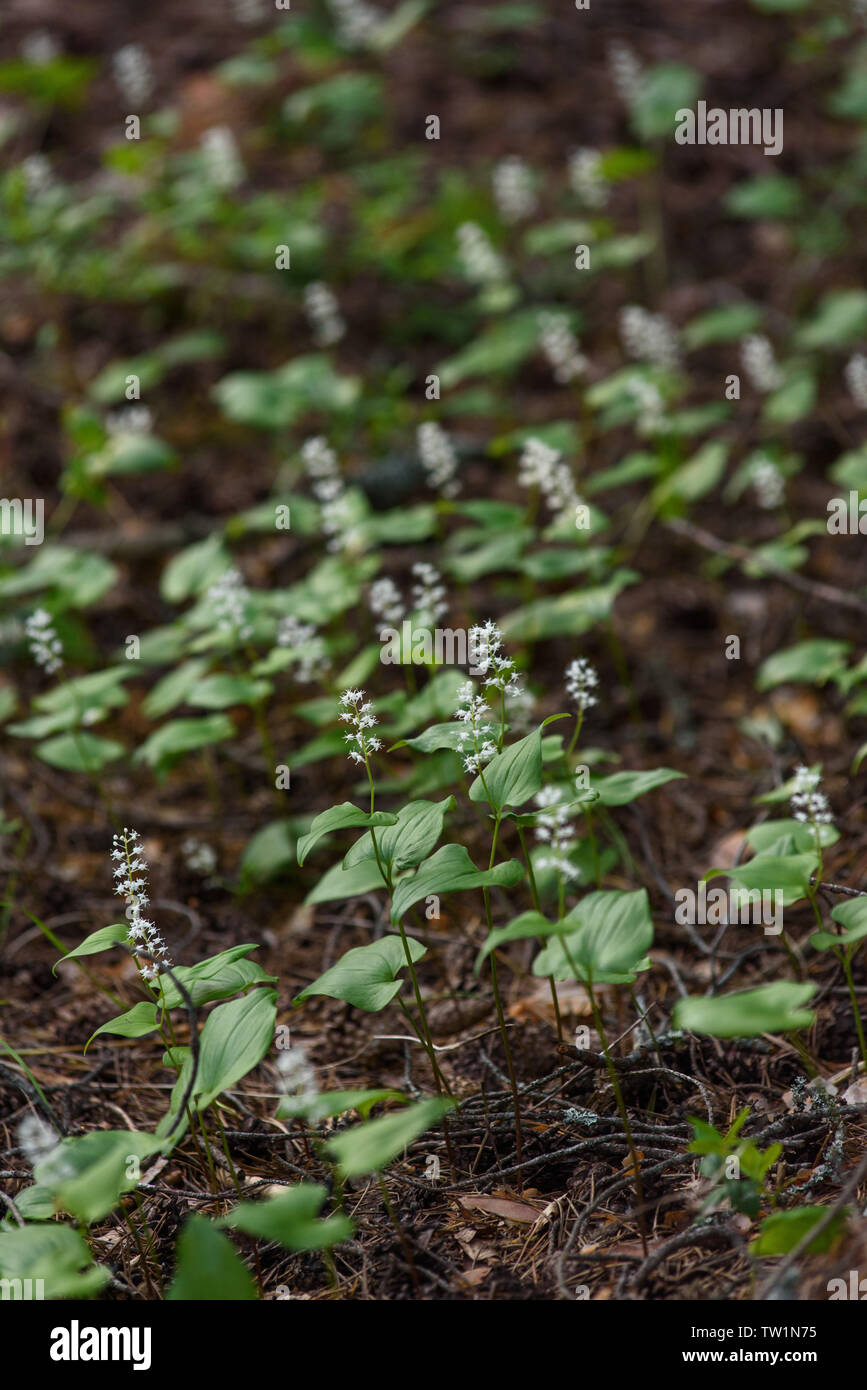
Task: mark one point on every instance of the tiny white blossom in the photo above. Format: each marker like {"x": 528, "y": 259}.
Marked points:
{"x": 625, "y": 71}
{"x": 543, "y": 467}
{"x": 648, "y": 337}
{"x": 438, "y": 458}
{"x": 133, "y": 419}
{"x": 323, "y": 314}
{"x": 514, "y": 190}
{"x": 481, "y": 263}
{"x": 312, "y": 655}
{"x": 355, "y": 21}
{"x": 769, "y": 483}
{"x": 46, "y": 647}
{"x": 38, "y": 175}
{"x": 428, "y": 593}
{"x": 586, "y": 179}
{"x": 581, "y": 682}
{"x": 759, "y": 363}
{"x": 222, "y": 160}
{"x": 650, "y": 404}
{"x": 229, "y": 600}
{"x": 808, "y": 804}
{"x": 385, "y": 601}
{"x": 40, "y": 48}
{"x": 358, "y": 713}
{"x": 199, "y": 857}
{"x": 560, "y": 346}
{"x": 130, "y": 874}
{"x": 37, "y": 1138}
{"x": 297, "y": 1080}
{"x": 133, "y": 74}
{"x": 554, "y": 829}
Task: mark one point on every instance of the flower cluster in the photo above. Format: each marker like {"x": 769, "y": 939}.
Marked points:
{"x": 46, "y": 647}
{"x": 759, "y": 363}
{"x": 297, "y": 1081}
{"x": 625, "y": 72}
{"x": 358, "y": 712}
{"x": 480, "y": 261}
{"x": 485, "y": 642}
{"x": 134, "y": 419}
{"x": 438, "y": 458}
{"x": 560, "y": 347}
{"x": 131, "y": 884}
{"x": 585, "y": 178}
{"x": 768, "y": 482}
{"x": 554, "y": 828}
{"x": 428, "y": 593}
{"x": 386, "y": 601}
{"x": 581, "y": 682}
{"x": 514, "y": 190}
{"x": 474, "y": 711}
{"x": 320, "y": 462}
{"x": 648, "y": 337}
{"x": 222, "y": 160}
{"x": 133, "y": 74}
{"x": 355, "y": 21}
{"x": 856, "y": 379}
{"x": 312, "y": 657}
{"x": 229, "y": 600}
{"x": 199, "y": 857}
{"x": 808, "y": 804}
{"x": 543, "y": 467}
{"x": 324, "y": 315}
{"x": 649, "y": 402}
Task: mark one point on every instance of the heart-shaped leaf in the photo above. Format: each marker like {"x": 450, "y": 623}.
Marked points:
{"x": 451, "y": 870}
{"x": 367, "y": 975}
{"x": 291, "y": 1219}
{"x": 370, "y": 1147}
{"x": 346, "y": 816}
{"x": 774, "y": 1008}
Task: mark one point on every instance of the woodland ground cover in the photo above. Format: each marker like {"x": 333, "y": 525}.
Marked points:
{"x": 432, "y": 815}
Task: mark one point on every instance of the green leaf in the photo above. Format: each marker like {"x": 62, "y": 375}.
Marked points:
{"x": 529, "y": 924}
{"x": 174, "y": 687}
{"x": 798, "y": 835}
{"x": 88, "y": 1175}
{"x": 813, "y": 663}
{"x": 451, "y": 870}
{"x": 291, "y": 1219}
{"x": 513, "y": 776}
{"x": 367, "y": 975}
{"x": 772, "y": 197}
{"x": 501, "y": 347}
{"x": 852, "y": 916}
{"x": 619, "y": 788}
{"x": 270, "y": 853}
{"x": 774, "y": 1008}
{"x": 792, "y": 401}
{"x": 726, "y": 325}
{"x": 329, "y": 1103}
{"x": 611, "y": 933}
{"x": 418, "y": 827}
{"x": 194, "y": 569}
{"x": 370, "y": 1147}
{"x": 54, "y": 1253}
{"x": 79, "y": 752}
{"x": 98, "y": 941}
{"x": 841, "y": 319}
{"x": 570, "y": 614}
{"x": 137, "y": 1022}
{"x": 783, "y": 1230}
{"x": 223, "y": 691}
{"x": 209, "y": 1269}
{"x": 214, "y": 978}
{"x": 346, "y": 816}
{"x": 436, "y": 737}
{"x": 167, "y": 745}
{"x": 339, "y": 883}
{"x": 788, "y": 874}
{"x": 664, "y": 89}
{"x": 235, "y": 1038}
{"x": 274, "y": 400}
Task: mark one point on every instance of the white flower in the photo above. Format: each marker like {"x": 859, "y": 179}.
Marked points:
{"x": 648, "y": 337}
{"x": 581, "y": 681}
{"x": 586, "y": 179}
{"x": 222, "y": 159}
{"x": 198, "y": 856}
{"x": 553, "y": 828}
{"x": 36, "y": 1138}
{"x": 856, "y": 379}
{"x": 428, "y": 593}
{"x": 323, "y": 314}
{"x": 438, "y": 458}
{"x": 808, "y": 804}
{"x": 385, "y": 601}
{"x": 358, "y": 712}
{"x": 131, "y": 884}
{"x": 319, "y": 458}
{"x": 543, "y": 467}
{"x": 46, "y": 647}
{"x": 759, "y": 363}
{"x": 40, "y": 48}
{"x": 229, "y": 599}
{"x": 133, "y": 419}
{"x": 514, "y": 191}
{"x": 312, "y": 656}
{"x": 133, "y": 73}
{"x": 768, "y": 482}
{"x": 481, "y": 263}
{"x": 355, "y": 21}
{"x": 484, "y": 642}
{"x": 650, "y": 403}
{"x": 625, "y": 72}
{"x": 297, "y": 1080}
{"x": 560, "y": 346}
{"x": 474, "y": 711}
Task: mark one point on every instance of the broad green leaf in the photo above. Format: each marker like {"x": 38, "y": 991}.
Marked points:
{"x": 852, "y": 916}
{"x": 137, "y": 1022}
{"x": 370, "y": 1147}
{"x": 194, "y": 569}
{"x": 840, "y": 319}
{"x": 451, "y": 870}
{"x": 787, "y": 874}
{"x": 339, "y": 883}
{"x": 813, "y": 662}
{"x": 209, "y": 1268}
{"x": 513, "y": 776}
{"x": 367, "y": 975}
{"x": 612, "y": 931}
{"x": 235, "y": 1038}
{"x": 329, "y": 1103}
{"x": 168, "y": 744}
{"x": 100, "y": 940}
{"x": 663, "y": 90}
{"x": 215, "y": 978}
{"x": 529, "y": 924}
{"x": 800, "y": 835}
{"x": 418, "y": 827}
{"x": 774, "y": 1008}
{"x": 499, "y": 348}
{"x": 570, "y": 614}
{"x": 87, "y": 1175}
{"x": 725, "y": 325}
{"x": 79, "y": 752}
{"x": 783, "y": 1230}
{"x": 270, "y": 853}
{"x": 174, "y": 687}
{"x": 291, "y": 1219}
{"x": 222, "y": 691}
{"x": 619, "y": 788}
{"x": 452, "y": 735}
{"x": 54, "y": 1253}
{"x": 346, "y": 816}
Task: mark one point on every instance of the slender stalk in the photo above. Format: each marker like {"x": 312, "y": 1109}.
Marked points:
{"x": 846, "y": 962}
{"x": 501, "y": 1017}
{"x": 534, "y": 893}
